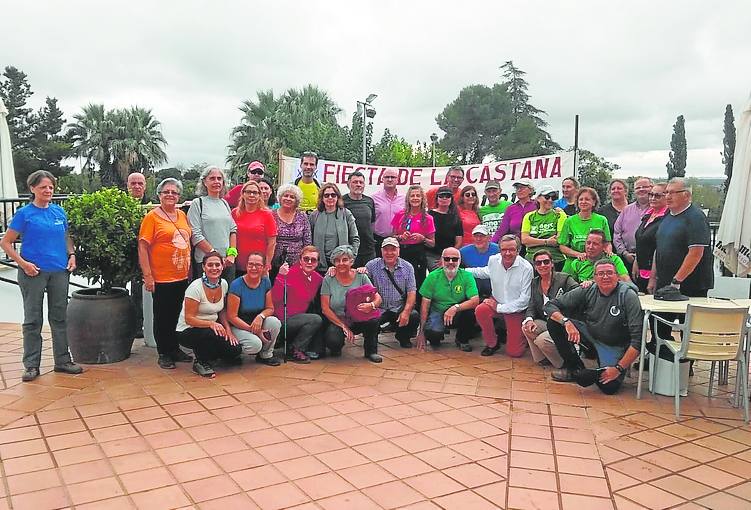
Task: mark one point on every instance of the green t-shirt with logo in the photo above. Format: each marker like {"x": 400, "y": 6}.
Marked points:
{"x": 542, "y": 226}
{"x": 443, "y": 293}
{"x": 575, "y": 230}
{"x": 582, "y": 270}
{"x": 491, "y": 215}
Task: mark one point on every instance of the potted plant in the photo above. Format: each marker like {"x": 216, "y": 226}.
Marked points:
{"x": 101, "y": 321}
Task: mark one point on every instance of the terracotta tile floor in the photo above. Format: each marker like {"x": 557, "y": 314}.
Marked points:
{"x": 442, "y": 429}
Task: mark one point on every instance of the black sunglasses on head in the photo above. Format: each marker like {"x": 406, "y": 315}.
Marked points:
{"x": 444, "y": 195}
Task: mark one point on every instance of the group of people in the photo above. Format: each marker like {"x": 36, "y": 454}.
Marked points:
{"x": 246, "y": 268}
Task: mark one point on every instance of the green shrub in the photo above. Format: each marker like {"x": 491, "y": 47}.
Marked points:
{"x": 104, "y": 227}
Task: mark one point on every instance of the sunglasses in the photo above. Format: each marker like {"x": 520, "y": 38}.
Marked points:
{"x": 655, "y": 195}
{"x": 444, "y": 195}
{"x": 257, "y": 171}
{"x": 310, "y": 260}
{"x": 552, "y": 196}
{"x": 543, "y": 262}
{"x": 330, "y": 195}
{"x": 470, "y": 194}
{"x": 451, "y": 259}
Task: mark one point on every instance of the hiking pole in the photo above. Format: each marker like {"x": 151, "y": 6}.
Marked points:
{"x": 283, "y": 258}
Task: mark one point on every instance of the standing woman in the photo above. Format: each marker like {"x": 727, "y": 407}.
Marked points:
{"x": 256, "y": 228}
{"x": 468, "y": 206}
{"x": 292, "y": 226}
{"x": 203, "y": 324}
{"x": 415, "y": 229}
{"x": 514, "y": 215}
{"x": 646, "y": 236}
{"x": 618, "y": 201}
{"x": 540, "y": 228}
{"x": 574, "y": 234}
{"x": 332, "y": 225}
{"x": 46, "y": 260}
{"x": 267, "y": 193}
{"x": 211, "y": 220}
{"x": 164, "y": 255}
{"x": 448, "y": 227}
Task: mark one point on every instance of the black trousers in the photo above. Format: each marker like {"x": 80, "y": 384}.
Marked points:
{"x": 207, "y": 345}
{"x": 333, "y": 336}
{"x": 168, "y": 301}
{"x": 415, "y": 255}
{"x": 403, "y": 333}
{"x": 136, "y": 296}
{"x": 571, "y": 359}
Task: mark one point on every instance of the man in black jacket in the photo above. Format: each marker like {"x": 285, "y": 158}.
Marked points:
{"x": 607, "y": 317}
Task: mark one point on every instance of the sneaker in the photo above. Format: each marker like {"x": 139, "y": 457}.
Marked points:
{"x": 489, "y": 351}
{"x": 166, "y": 362}
{"x": 563, "y": 375}
{"x": 203, "y": 368}
{"x": 30, "y": 374}
{"x": 312, "y": 355}
{"x": 180, "y": 356}
{"x": 465, "y": 347}
{"x": 375, "y": 358}
{"x": 273, "y": 361}
{"x": 297, "y": 356}
{"x": 69, "y": 368}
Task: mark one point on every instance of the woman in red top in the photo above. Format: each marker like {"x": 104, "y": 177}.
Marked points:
{"x": 256, "y": 228}
{"x": 467, "y": 208}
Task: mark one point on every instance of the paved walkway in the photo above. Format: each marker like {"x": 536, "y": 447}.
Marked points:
{"x": 442, "y": 429}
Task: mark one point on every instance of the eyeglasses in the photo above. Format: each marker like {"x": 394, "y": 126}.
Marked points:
{"x": 543, "y": 262}
{"x": 456, "y": 177}
{"x": 250, "y": 192}
{"x": 255, "y": 264}
{"x": 257, "y": 171}
{"x": 444, "y": 195}
{"x": 673, "y": 192}
{"x": 470, "y": 194}
{"x": 310, "y": 260}
{"x": 655, "y": 195}
{"x": 451, "y": 259}
{"x": 605, "y": 274}
{"x": 176, "y": 193}
{"x": 330, "y": 195}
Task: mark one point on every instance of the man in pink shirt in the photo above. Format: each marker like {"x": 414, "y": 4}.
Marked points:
{"x": 256, "y": 171}
{"x": 388, "y": 202}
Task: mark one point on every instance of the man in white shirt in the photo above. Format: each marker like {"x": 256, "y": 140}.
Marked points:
{"x": 510, "y": 279}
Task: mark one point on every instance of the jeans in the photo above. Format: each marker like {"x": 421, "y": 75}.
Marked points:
{"x": 253, "y": 344}
{"x": 403, "y": 333}
{"x": 607, "y": 355}
{"x": 32, "y": 292}
{"x": 435, "y": 330}
{"x": 207, "y": 345}
{"x": 333, "y": 336}
{"x": 167, "y": 302}
{"x": 301, "y": 329}
{"x": 515, "y": 342}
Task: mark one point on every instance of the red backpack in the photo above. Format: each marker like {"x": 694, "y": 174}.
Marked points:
{"x": 362, "y": 294}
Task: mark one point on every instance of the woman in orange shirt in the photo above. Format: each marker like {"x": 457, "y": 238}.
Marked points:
{"x": 256, "y": 227}
{"x": 164, "y": 255}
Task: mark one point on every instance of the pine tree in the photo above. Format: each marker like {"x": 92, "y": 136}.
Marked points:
{"x": 676, "y": 165}
{"x": 517, "y": 86}
{"x": 728, "y": 145}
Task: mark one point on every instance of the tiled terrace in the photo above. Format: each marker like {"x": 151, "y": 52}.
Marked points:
{"x": 433, "y": 430}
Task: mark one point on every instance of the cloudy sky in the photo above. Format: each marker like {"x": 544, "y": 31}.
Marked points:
{"x": 627, "y": 68}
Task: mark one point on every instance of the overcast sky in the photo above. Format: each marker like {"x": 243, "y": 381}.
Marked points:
{"x": 627, "y": 68}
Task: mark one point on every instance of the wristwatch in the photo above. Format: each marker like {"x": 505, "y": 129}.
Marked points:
{"x": 565, "y": 320}
{"x": 619, "y": 368}
{"x": 457, "y": 306}
{"x": 675, "y": 283}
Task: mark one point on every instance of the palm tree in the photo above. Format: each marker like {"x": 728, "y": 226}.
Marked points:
{"x": 91, "y": 137}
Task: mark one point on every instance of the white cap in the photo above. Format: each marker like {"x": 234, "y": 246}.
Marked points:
{"x": 524, "y": 182}
{"x": 390, "y": 241}
{"x": 480, "y": 229}
{"x": 546, "y": 189}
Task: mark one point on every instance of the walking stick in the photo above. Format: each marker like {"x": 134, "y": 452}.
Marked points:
{"x": 283, "y": 257}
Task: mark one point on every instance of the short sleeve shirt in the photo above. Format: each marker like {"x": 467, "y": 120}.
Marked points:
{"x": 207, "y": 311}
{"x": 43, "y": 231}
{"x": 338, "y": 293}
{"x": 422, "y": 223}
{"x": 447, "y": 228}
{"x": 252, "y": 301}
{"x": 575, "y": 230}
{"x": 674, "y": 237}
{"x": 543, "y": 226}
{"x": 169, "y": 246}
{"x": 309, "y": 196}
{"x": 491, "y": 215}
{"x": 471, "y": 256}
{"x": 443, "y": 293}
{"x": 253, "y": 232}
{"x": 582, "y": 270}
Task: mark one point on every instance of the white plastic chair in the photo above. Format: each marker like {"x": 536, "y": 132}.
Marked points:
{"x": 709, "y": 334}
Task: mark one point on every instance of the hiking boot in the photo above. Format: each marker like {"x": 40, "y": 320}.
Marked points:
{"x": 312, "y": 355}
{"x": 69, "y": 368}
{"x": 465, "y": 347}
{"x": 587, "y": 377}
{"x": 30, "y": 374}
{"x": 180, "y": 356}
{"x": 375, "y": 358}
{"x": 166, "y": 362}
{"x": 489, "y": 351}
{"x": 273, "y": 361}
{"x": 297, "y": 356}
{"x": 563, "y": 375}
{"x": 203, "y": 368}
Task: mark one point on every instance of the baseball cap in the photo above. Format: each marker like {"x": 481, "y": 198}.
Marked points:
{"x": 493, "y": 184}
{"x": 546, "y": 190}
{"x": 390, "y": 241}
{"x": 254, "y": 165}
{"x": 480, "y": 229}
{"x": 524, "y": 182}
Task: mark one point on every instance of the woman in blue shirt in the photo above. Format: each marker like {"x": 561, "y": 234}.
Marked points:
{"x": 46, "y": 260}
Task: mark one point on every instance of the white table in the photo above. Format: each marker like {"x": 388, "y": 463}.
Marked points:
{"x": 650, "y": 305}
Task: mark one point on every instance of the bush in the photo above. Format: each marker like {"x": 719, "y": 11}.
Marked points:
{"x": 104, "y": 227}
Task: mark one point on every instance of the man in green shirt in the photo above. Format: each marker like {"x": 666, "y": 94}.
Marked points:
{"x": 584, "y": 270}
{"x": 491, "y": 213}
{"x": 449, "y": 297}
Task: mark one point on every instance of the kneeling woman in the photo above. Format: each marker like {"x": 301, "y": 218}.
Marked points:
{"x": 203, "y": 324}
{"x": 333, "y": 303}
{"x": 250, "y": 310}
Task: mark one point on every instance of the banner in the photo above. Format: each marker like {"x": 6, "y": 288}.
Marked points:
{"x": 550, "y": 169}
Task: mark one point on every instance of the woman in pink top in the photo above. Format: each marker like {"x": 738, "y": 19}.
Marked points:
{"x": 467, "y": 208}
{"x": 415, "y": 229}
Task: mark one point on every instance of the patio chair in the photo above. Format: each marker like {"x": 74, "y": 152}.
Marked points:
{"x": 709, "y": 334}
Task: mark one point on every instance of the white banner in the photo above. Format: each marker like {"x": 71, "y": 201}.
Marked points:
{"x": 550, "y": 169}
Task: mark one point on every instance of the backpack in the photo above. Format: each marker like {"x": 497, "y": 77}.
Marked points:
{"x": 362, "y": 294}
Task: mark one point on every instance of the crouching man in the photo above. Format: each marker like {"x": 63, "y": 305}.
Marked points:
{"x": 605, "y": 317}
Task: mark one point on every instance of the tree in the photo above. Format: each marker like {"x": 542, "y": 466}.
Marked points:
{"x": 595, "y": 172}
{"x": 15, "y": 91}
{"x": 394, "y": 151}
{"x": 728, "y": 145}
{"x": 676, "y": 165}
{"x": 516, "y": 87}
